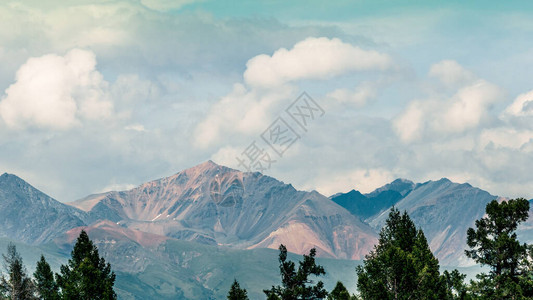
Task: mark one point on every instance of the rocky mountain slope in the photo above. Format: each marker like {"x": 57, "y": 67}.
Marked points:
{"x": 216, "y": 205}
{"x": 30, "y": 216}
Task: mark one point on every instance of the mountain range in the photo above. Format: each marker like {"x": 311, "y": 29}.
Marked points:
{"x": 216, "y": 205}
{"x": 183, "y": 235}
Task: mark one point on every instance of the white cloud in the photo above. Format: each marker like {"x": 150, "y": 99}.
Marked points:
{"x": 56, "y": 92}
{"x": 409, "y": 125}
{"x": 250, "y": 107}
{"x": 451, "y": 73}
{"x": 522, "y": 106}
{"x": 505, "y": 137}
{"x": 312, "y": 58}
{"x": 465, "y": 110}
{"x": 358, "y": 97}
{"x": 243, "y": 111}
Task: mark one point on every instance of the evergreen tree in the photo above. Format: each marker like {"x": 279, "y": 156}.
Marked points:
{"x": 401, "y": 266}
{"x": 44, "y": 281}
{"x": 236, "y": 293}
{"x": 340, "y": 293}
{"x": 494, "y": 243}
{"x": 17, "y": 285}
{"x": 455, "y": 285}
{"x": 86, "y": 276}
{"x": 296, "y": 283}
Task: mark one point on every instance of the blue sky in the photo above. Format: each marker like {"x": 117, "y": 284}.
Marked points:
{"x": 100, "y": 95}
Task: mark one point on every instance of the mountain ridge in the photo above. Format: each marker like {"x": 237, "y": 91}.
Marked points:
{"x": 217, "y": 205}
{"x": 29, "y": 215}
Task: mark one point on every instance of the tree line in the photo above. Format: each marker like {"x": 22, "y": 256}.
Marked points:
{"x": 86, "y": 276}
{"x": 402, "y": 266}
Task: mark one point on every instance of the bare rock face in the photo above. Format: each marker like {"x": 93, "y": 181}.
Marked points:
{"x": 30, "y": 216}
{"x": 129, "y": 250}
{"x": 216, "y": 205}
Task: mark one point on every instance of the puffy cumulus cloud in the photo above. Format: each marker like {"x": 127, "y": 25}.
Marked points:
{"x": 522, "y": 105}
{"x": 410, "y": 124}
{"x": 465, "y": 110}
{"x": 242, "y": 111}
{"x": 268, "y": 88}
{"x": 56, "y": 92}
{"x": 312, "y": 58}
{"x": 469, "y": 106}
{"x": 451, "y": 73}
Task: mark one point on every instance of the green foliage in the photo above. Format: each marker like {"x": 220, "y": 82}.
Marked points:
{"x": 86, "y": 276}
{"x": 45, "y": 283}
{"x": 494, "y": 243}
{"x": 17, "y": 285}
{"x": 455, "y": 285}
{"x": 236, "y": 293}
{"x": 401, "y": 266}
{"x": 296, "y": 283}
{"x": 340, "y": 293}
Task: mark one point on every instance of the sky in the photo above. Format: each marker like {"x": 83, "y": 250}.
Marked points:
{"x": 332, "y": 96}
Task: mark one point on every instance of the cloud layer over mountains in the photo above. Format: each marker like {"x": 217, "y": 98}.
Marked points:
{"x": 108, "y": 94}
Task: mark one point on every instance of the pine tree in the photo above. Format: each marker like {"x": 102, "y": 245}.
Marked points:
{"x": 340, "y": 293}
{"x": 86, "y": 276}
{"x": 236, "y": 293}
{"x": 401, "y": 266}
{"x": 494, "y": 243}
{"x": 296, "y": 283}
{"x": 44, "y": 281}
{"x": 455, "y": 285}
{"x": 17, "y": 285}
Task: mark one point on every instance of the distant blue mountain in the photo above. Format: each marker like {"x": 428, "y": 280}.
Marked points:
{"x": 365, "y": 206}
{"x": 444, "y": 210}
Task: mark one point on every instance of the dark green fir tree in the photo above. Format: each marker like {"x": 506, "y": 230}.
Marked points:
{"x": 45, "y": 283}
{"x": 296, "y": 283}
{"x": 236, "y": 293}
{"x": 340, "y": 293}
{"x": 86, "y": 276}
{"x": 401, "y": 266}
